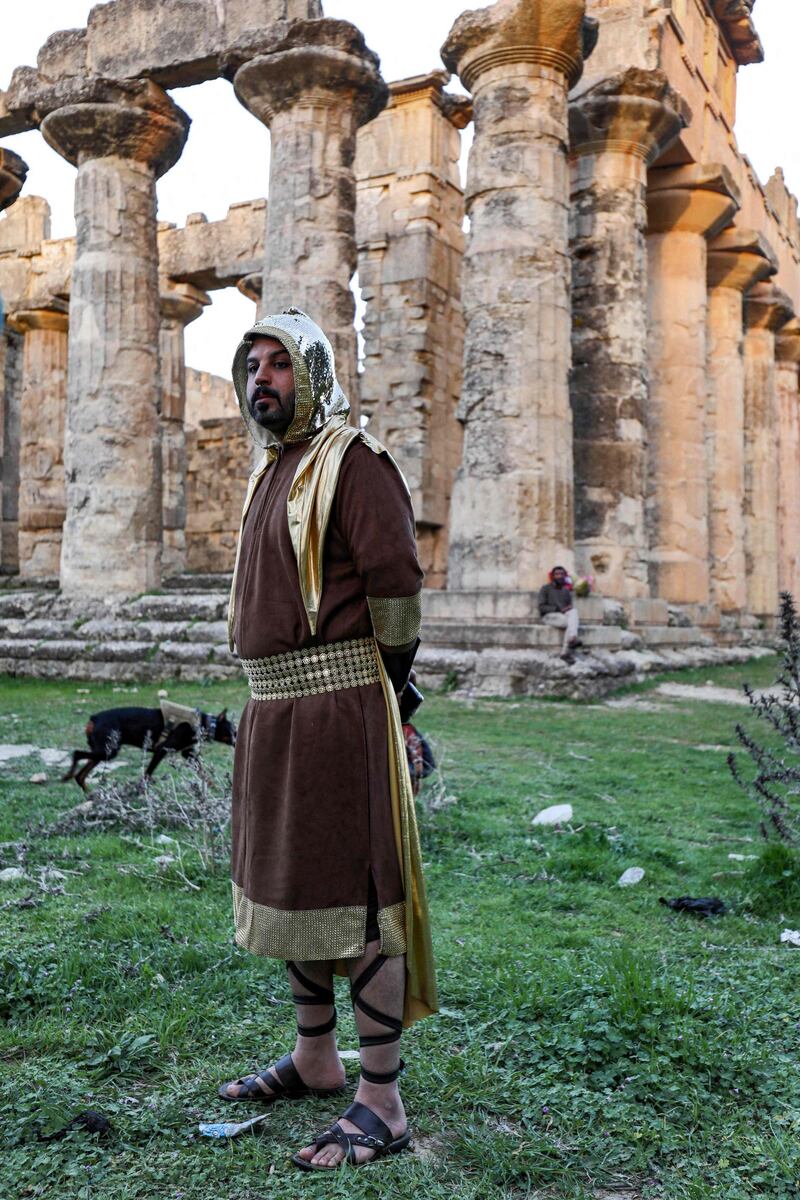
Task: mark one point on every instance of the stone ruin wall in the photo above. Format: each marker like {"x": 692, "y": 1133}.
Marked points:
{"x": 605, "y": 372}
{"x": 216, "y": 452}
{"x": 208, "y": 397}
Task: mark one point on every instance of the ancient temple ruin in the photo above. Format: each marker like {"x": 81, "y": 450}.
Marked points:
{"x": 598, "y": 367}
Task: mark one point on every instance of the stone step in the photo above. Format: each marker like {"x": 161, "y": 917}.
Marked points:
{"x": 503, "y": 607}
{"x": 119, "y": 671}
{"x": 14, "y": 583}
{"x": 112, "y": 629}
{"x": 179, "y": 606}
{"x": 165, "y": 653}
{"x": 511, "y": 635}
{"x": 37, "y": 628}
{"x": 483, "y": 635}
{"x": 674, "y": 635}
{"x": 20, "y": 603}
{"x": 199, "y": 583}
{"x": 117, "y": 628}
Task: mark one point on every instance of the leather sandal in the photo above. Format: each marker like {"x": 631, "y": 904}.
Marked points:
{"x": 377, "y": 1136}
{"x": 283, "y": 1078}
{"x": 285, "y": 1081}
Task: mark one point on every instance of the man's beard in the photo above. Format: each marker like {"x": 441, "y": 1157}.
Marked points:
{"x": 272, "y": 419}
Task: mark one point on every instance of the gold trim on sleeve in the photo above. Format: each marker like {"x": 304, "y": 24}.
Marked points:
{"x": 396, "y": 619}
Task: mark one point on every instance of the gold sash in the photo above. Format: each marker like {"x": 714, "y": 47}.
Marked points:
{"x": 421, "y": 998}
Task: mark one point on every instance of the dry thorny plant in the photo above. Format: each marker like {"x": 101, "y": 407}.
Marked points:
{"x": 775, "y": 785}
{"x": 191, "y": 798}
{"x": 43, "y": 880}
{"x": 434, "y": 794}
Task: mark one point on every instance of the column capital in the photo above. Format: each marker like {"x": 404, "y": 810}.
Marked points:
{"x": 739, "y": 258}
{"x": 548, "y": 33}
{"x": 319, "y": 63}
{"x": 135, "y": 121}
{"x": 767, "y": 307}
{"x": 631, "y": 112}
{"x": 26, "y": 319}
{"x": 414, "y": 88}
{"x": 13, "y": 172}
{"x": 697, "y": 198}
{"x": 787, "y": 343}
{"x": 181, "y": 303}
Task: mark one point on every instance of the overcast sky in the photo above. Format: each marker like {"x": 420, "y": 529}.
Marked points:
{"x": 227, "y": 156}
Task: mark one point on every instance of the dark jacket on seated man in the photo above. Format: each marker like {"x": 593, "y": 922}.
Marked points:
{"x": 554, "y": 599}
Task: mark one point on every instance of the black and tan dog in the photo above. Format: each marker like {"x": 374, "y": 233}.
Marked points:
{"x": 172, "y": 728}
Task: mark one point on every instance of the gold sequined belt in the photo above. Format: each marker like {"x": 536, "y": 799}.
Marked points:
{"x": 308, "y": 672}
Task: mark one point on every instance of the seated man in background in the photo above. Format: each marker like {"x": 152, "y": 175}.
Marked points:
{"x": 556, "y": 608}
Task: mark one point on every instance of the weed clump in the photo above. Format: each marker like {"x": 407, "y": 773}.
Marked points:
{"x": 193, "y": 799}
{"x": 775, "y": 786}
{"x": 774, "y": 880}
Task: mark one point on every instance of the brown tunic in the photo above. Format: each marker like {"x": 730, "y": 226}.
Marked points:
{"x": 311, "y": 803}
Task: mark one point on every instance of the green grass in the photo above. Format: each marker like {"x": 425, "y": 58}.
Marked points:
{"x": 589, "y": 1037}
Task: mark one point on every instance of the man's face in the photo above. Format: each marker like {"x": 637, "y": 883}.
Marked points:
{"x": 559, "y": 577}
{"x": 270, "y": 385}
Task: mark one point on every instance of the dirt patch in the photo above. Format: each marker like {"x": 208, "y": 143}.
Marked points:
{"x": 717, "y": 695}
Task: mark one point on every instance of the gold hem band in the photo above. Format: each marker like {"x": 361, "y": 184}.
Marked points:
{"x": 306, "y": 935}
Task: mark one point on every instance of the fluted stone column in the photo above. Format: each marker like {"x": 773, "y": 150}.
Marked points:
{"x": 787, "y": 356}
{"x": 181, "y": 303}
{"x": 767, "y": 308}
{"x": 314, "y": 91}
{"x": 511, "y": 509}
{"x": 41, "y": 452}
{"x": 618, "y": 128}
{"x": 737, "y": 259}
{"x": 13, "y": 172}
{"x": 121, "y": 142}
{"x": 685, "y": 205}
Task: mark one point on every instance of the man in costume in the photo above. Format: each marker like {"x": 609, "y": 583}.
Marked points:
{"x": 325, "y": 615}
{"x": 556, "y": 607}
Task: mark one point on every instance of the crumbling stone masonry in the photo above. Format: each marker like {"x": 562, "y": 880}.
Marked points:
{"x": 599, "y": 366}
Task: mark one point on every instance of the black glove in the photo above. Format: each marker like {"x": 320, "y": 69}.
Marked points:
{"x": 410, "y": 699}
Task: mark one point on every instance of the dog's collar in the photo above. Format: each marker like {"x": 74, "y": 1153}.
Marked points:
{"x": 209, "y": 725}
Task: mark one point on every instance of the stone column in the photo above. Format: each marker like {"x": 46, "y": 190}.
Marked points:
{"x": 41, "y": 452}
{"x": 737, "y": 258}
{"x": 11, "y": 364}
{"x": 618, "y": 128}
{"x": 409, "y": 226}
{"x": 314, "y": 91}
{"x": 181, "y": 303}
{"x": 685, "y": 206}
{"x": 13, "y": 172}
{"x": 511, "y": 511}
{"x": 121, "y": 142}
{"x": 767, "y": 308}
{"x": 787, "y": 356}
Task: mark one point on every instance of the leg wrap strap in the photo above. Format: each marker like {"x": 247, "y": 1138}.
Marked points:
{"x": 321, "y": 995}
{"x": 382, "y": 1076}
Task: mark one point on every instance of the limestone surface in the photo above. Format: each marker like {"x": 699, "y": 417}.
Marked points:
{"x": 618, "y": 127}
{"x": 512, "y": 514}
